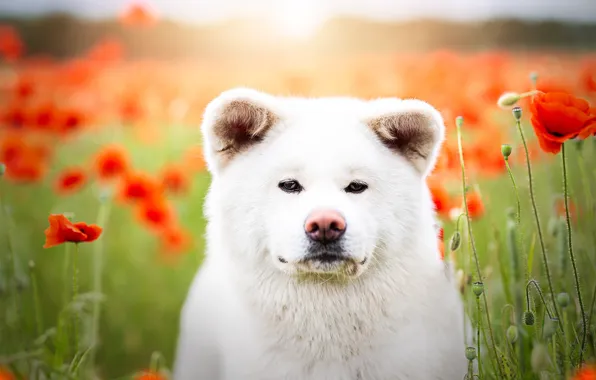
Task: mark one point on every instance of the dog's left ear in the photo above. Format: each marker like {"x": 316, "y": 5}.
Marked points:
{"x": 409, "y": 127}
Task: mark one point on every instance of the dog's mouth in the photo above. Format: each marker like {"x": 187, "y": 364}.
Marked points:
{"x": 330, "y": 263}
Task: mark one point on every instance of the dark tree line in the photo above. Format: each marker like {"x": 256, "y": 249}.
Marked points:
{"x": 61, "y": 35}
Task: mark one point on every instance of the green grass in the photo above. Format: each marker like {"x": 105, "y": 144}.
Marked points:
{"x": 144, "y": 293}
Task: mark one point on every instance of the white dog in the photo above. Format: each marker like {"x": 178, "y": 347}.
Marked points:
{"x": 322, "y": 259}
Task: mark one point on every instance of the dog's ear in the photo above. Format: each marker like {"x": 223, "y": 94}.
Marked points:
{"x": 234, "y": 122}
{"x": 409, "y": 127}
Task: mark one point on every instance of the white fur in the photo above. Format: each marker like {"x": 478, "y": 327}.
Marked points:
{"x": 247, "y": 315}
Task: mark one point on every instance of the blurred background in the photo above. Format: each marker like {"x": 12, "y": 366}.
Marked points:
{"x": 99, "y": 99}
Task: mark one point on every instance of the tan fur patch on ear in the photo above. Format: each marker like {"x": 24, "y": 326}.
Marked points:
{"x": 240, "y": 125}
{"x": 409, "y": 134}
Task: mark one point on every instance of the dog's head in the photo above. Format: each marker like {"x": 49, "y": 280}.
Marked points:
{"x": 325, "y": 185}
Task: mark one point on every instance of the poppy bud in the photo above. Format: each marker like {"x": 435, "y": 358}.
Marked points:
{"x": 563, "y": 299}
{"x": 478, "y": 288}
{"x": 508, "y": 99}
{"x": 470, "y": 353}
{"x": 459, "y": 121}
{"x": 506, "y": 150}
{"x": 517, "y": 113}
{"x": 455, "y": 241}
{"x": 31, "y": 264}
{"x": 540, "y": 359}
{"x": 2, "y": 169}
{"x": 529, "y": 318}
{"x": 512, "y": 334}
{"x": 550, "y": 326}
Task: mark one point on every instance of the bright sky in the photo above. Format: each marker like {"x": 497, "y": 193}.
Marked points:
{"x": 303, "y": 16}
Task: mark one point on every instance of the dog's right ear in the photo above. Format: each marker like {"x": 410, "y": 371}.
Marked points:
{"x": 234, "y": 122}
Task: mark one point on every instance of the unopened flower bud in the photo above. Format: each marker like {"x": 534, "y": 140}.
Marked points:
{"x": 478, "y": 288}
{"x": 31, "y": 264}
{"x": 2, "y": 169}
{"x": 455, "y": 241}
{"x": 563, "y": 299}
{"x": 550, "y": 326}
{"x": 459, "y": 121}
{"x": 529, "y": 318}
{"x": 540, "y": 359}
{"x": 512, "y": 334}
{"x": 508, "y": 99}
{"x": 506, "y": 150}
{"x": 470, "y": 353}
{"x": 517, "y": 112}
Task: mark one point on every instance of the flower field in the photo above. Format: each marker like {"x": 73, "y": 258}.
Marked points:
{"x": 103, "y": 179}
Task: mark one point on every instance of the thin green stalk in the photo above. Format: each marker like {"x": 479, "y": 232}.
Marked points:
{"x": 518, "y": 203}
{"x": 75, "y": 293}
{"x": 36, "y": 304}
{"x": 538, "y": 226}
{"x": 479, "y": 316}
{"x": 473, "y": 244}
{"x": 97, "y": 270}
{"x": 572, "y": 255}
{"x": 533, "y": 282}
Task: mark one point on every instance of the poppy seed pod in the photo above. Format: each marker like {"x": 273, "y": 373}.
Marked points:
{"x": 459, "y": 121}
{"x": 563, "y": 299}
{"x": 506, "y": 150}
{"x": 470, "y": 353}
{"x": 529, "y": 318}
{"x": 512, "y": 334}
{"x": 508, "y": 99}
{"x": 550, "y": 326}
{"x": 517, "y": 113}
{"x": 478, "y": 288}
{"x": 455, "y": 241}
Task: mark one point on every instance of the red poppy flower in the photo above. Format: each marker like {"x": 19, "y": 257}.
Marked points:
{"x": 586, "y": 373}
{"x": 174, "y": 240}
{"x": 92, "y": 231}
{"x": 138, "y": 186}
{"x": 11, "y": 47}
{"x": 440, "y": 197}
{"x": 155, "y": 212}
{"x": 138, "y": 14}
{"x": 111, "y": 162}
{"x": 558, "y": 117}
{"x": 70, "y": 180}
{"x": 174, "y": 179}
{"x": 6, "y": 375}
{"x": 107, "y": 51}
{"x": 62, "y": 230}
{"x": 475, "y": 204}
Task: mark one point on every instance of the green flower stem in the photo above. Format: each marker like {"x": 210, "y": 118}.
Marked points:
{"x": 97, "y": 270}
{"x": 539, "y": 291}
{"x": 572, "y": 255}
{"x": 75, "y": 292}
{"x": 36, "y": 304}
{"x": 538, "y": 226}
{"x": 479, "y": 316}
{"x": 473, "y": 244}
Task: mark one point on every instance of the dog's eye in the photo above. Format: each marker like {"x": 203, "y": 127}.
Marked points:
{"x": 290, "y": 186}
{"x": 356, "y": 187}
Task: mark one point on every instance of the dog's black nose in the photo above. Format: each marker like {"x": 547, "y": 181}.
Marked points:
{"x": 325, "y": 226}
